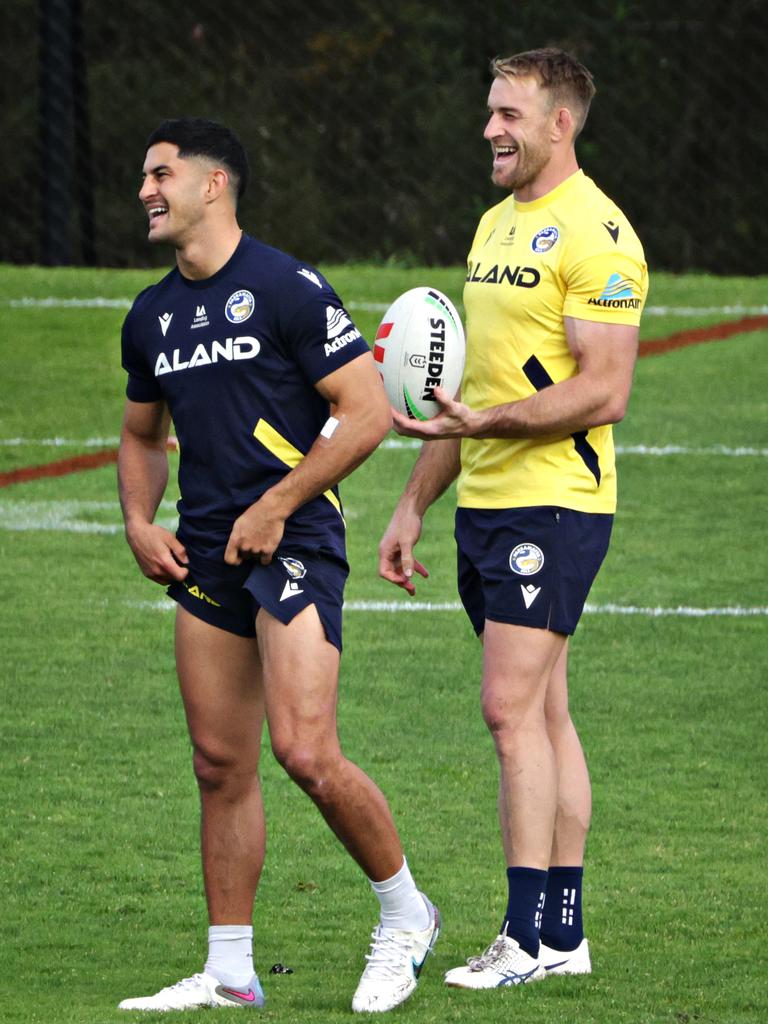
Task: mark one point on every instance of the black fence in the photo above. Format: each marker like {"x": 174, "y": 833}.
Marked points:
{"x": 364, "y": 121}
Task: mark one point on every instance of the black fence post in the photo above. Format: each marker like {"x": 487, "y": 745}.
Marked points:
{"x": 56, "y": 134}
{"x": 83, "y": 153}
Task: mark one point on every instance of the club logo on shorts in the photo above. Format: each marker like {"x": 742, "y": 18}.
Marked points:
{"x": 239, "y": 306}
{"x": 526, "y": 559}
{"x": 293, "y": 567}
{"x": 544, "y": 240}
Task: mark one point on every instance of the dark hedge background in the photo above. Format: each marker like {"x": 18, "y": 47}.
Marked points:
{"x": 363, "y": 121}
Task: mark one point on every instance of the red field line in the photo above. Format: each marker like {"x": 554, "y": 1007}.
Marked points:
{"x": 694, "y": 336}
{"x": 658, "y": 346}
{"x": 63, "y": 467}
{"x": 60, "y": 468}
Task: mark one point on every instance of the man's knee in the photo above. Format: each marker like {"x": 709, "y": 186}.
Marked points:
{"x": 218, "y": 771}
{"x": 310, "y": 765}
{"x": 508, "y": 718}
{"x": 557, "y": 711}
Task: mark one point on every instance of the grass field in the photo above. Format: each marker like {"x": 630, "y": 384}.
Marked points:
{"x": 99, "y": 866}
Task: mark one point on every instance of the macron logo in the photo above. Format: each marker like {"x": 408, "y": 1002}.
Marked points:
{"x": 165, "y": 322}
{"x": 291, "y": 589}
{"x": 530, "y": 593}
{"x": 310, "y": 276}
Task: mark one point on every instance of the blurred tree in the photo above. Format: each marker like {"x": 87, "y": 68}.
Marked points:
{"x": 364, "y": 123}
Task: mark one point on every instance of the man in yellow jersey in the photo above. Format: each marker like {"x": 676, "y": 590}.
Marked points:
{"x": 555, "y": 287}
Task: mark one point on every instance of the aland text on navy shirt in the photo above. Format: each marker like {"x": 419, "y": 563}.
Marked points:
{"x": 236, "y": 357}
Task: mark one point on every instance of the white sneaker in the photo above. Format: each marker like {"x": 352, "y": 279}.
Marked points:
{"x": 199, "y": 990}
{"x": 503, "y": 963}
{"x": 394, "y": 965}
{"x": 574, "y": 961}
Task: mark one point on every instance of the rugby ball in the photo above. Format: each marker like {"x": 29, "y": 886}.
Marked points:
{"x": 420, "y": 346}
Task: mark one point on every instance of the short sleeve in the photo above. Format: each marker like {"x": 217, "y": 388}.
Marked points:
{"x": 609, "y": 287}
{"x": 317, "y": 330}
{"x": 142, "y": 384}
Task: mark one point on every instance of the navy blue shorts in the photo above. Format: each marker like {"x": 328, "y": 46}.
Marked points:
{"x": 529, "y": 566}
{"x": 230, "y": 596}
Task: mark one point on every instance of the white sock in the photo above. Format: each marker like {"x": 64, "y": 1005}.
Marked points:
{"x": 402, "y": 905}
{"x": 230, "y": 953}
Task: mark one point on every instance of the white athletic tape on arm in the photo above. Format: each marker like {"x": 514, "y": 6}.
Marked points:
{"x": 330, "y": 426}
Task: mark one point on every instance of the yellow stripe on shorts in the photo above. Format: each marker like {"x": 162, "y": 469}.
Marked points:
{"x": 283, "y": 450}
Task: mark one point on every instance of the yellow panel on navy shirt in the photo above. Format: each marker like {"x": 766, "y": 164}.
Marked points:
{"x": 570, "y": 253}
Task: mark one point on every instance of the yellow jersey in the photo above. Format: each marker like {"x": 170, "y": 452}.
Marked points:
{"x": 570, "y": 253}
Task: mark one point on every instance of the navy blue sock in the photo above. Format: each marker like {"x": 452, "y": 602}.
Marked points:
{"x": 561, "y": 925}
{"x": 527, "y": 887}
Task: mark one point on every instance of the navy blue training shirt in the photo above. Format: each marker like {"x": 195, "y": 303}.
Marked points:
{"x": 236, "y": 357}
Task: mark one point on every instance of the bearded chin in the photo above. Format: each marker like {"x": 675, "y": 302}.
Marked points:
{"x": 524, "y": 173}
{"x": 511, "y": 181}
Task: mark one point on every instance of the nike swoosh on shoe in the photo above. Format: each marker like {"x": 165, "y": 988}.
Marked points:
{"x": 247, "y": 997}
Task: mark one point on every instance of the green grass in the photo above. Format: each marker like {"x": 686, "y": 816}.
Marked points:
{"x": 98, "y": 845}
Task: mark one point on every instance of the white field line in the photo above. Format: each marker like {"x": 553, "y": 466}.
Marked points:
{"x": 631, "y": 449}
{"x": 59, "y": 442}
{"x": 100, "y": 302}
{"x": 54, "y": 302}
{"x": 71, "y": 516}
{"x": 80, "y": 517}
{"x": 589, "y": 609}
{"x": 406, "y": 443}
{"x": 677, "y": 449}
{"x": 412, "y": 607}
{"x": 84, "y": 517}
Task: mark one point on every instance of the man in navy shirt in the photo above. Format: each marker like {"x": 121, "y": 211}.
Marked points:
{"x": 274, "y": 397}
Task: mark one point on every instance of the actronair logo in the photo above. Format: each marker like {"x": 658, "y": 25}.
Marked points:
{"x": 338, "y": 321}
{"x": 206, "y": 355}
{"x": 195, "y": 591}
{"x": 617, "y": 294}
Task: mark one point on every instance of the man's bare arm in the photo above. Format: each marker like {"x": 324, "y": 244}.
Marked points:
{"x": 596, "y": 395}
{"x": 360, "y": 417}
{"x": 142, "y": 474}
{"x": 435, "y": 469}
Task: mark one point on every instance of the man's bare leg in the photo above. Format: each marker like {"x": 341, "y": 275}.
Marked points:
{"x": 574, "y": 793}
{"x": 565, "y": 951}
{"x": 220, "y": 680}
{"x": 300, "y": 684}
{"x": 517, "y": 664}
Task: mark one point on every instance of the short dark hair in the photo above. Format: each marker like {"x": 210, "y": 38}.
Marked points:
{"x": 196, "y": 136}
{"x": 567, "y": 80}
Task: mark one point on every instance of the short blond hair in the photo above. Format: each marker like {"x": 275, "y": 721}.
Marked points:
{"x": 569, "y": 83}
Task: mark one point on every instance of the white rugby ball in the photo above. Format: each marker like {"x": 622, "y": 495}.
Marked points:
{"x": 420, "y": 346}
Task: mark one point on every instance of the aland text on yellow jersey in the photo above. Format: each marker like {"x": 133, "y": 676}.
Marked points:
{"x": 570, "y": 253}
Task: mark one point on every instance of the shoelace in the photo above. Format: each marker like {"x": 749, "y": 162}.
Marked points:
{"x": 388, "y": 952}
{"x": 495, "y": 951}
{"x": 195, "y": 980}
